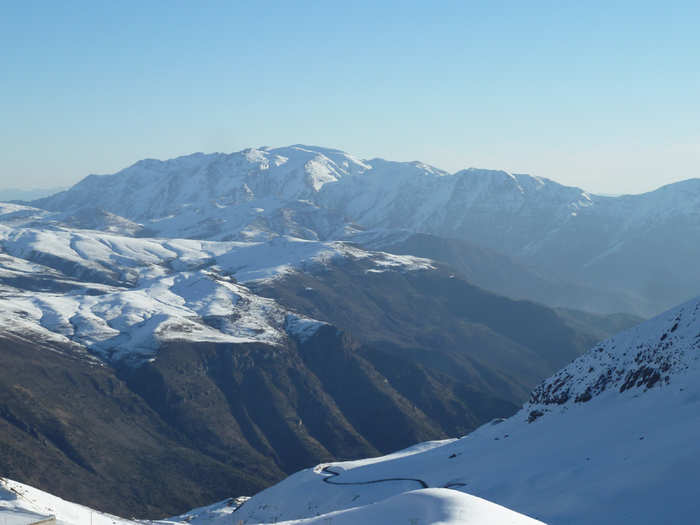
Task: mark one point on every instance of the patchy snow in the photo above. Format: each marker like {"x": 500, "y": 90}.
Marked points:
{"x": 405, "y": 262}
{"x": 123, "y": 297}
{"x": 129, "y": 322}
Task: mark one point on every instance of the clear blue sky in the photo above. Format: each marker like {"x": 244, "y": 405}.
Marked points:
{"x": 601, "y": 95}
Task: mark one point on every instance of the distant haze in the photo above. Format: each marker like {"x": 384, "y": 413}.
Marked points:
{"x": 15, "y": 194}
{"x": 595, "y": 95}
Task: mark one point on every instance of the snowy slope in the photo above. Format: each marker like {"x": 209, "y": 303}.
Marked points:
{"x": 122, "y": 297}
{"x": 612, "y": 438}
{"x": 436, "y": 506}
{"x": 433, "y": 506}
{"x": 21, "y": 504}
{"x": 19, "y": 215}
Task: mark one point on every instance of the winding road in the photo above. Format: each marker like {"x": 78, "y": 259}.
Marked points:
{"x": 331, "y": 481}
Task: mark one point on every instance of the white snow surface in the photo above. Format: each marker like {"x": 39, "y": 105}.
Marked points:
{"x": 434, "y": 506}
{"x": 123, "y": 297}
{"x": 429, "y": 506}
{"x": 21, "y": 504}
{"x": 302, "y": 327}
{"x": 626, "y": 455}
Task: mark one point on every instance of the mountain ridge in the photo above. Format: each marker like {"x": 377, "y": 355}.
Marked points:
{"x": 314, "y": 193}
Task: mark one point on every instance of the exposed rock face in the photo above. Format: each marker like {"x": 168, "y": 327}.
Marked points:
{"x": 636, "y": 359}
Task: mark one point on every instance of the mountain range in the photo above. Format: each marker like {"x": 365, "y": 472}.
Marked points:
{"x": 567, "y": 236}
{"x": 207, "y": 325}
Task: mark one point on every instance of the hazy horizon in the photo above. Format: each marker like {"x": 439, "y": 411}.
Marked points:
{"x": 25, "y": 192}
{"x": 596, "y": 96}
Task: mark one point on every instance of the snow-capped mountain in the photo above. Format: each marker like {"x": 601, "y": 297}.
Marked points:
{"x": 611, "y": 438}
{"x": 264, "y": 192}
{"x": 252, "y": 194}
{"x": 317, "y": 193}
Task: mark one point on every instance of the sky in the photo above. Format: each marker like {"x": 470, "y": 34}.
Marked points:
{"x": 601, "y": 95}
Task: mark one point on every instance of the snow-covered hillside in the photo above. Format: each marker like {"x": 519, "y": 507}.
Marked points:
{"x": 430, "y": 506}
{"x": 121, "y": 297}
{"x": 21, "y": 504}
{"x": 610, "y": 439}
{"x": 24, "y": 505}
